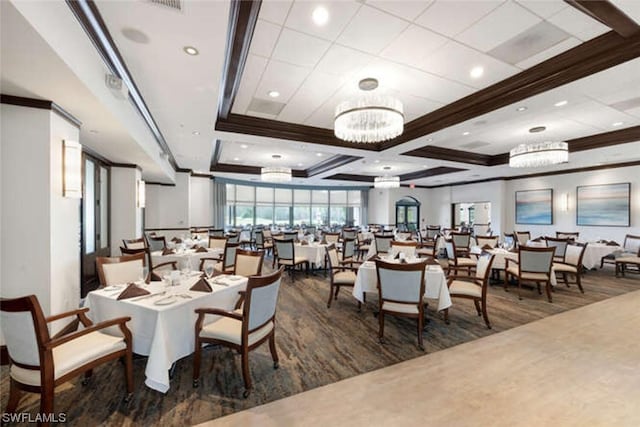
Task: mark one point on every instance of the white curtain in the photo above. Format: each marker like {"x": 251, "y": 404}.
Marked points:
{"x": 219, "y": 201}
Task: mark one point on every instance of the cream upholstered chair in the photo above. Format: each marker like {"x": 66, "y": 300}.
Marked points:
{"x": 403, "y": 236}
{"x": 228, "y": 262}
{"x": 331, "y": 237}
{"x": 216, "y": 232}
{"x": 630, "y": 247}
{"x": 432, "y": 231}
{"x": 156, "y": 243}
{"x": 261, "y": 242}
{"x": 572, "y": 235}
{"x": 349, "y": 233}
{"x": 218, "y": 242}
{"x": 340, "y": 274}
{"x": 473, "y": 287}
{"x": 362, "y": 245}
{"x": 348, "y": 252}
{"x": 571, "y": 264}
{"x": 286, "y": 256}
{"x": 560, "y": 245}
{"x": 626, "y": 260}
{"x": 456, "y": 262}
{"x": 522, "y": 237}
{"x": 248, "y": 263}
{"x": 408, "y": 248}
{"x": 484, "y": 241}
{"x": 401, "y": 293}
{"x": 122, "y": 269}
{"x": 39, "y": 362}
{"x": 383, "y": 243}
{"x": 429, "y": 249}
{"x": 462, "y": 242}
{"x": 156, "y": 271}
{"x": 534, "y": 265}
{"x": 134, "y": 243}
{"x": 243, "y": 329}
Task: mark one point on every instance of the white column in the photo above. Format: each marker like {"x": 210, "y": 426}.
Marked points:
{"x": 126, "y": 215}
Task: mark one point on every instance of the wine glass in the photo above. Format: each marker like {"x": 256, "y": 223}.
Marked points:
{"x": 142, "y": 274}
{"x": 208, "y": 270}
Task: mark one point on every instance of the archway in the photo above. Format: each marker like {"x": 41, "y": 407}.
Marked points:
{"x": 408, "y": 214}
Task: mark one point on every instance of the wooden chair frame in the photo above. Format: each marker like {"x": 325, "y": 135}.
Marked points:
{"x": 334, "y": 288}
{"x": 578, "y": 266}
{"x": 100, "y": 261}
{"x": 519, "y": 276}
{"x": 246, "y": 252}
{"x": 152, "y": 276}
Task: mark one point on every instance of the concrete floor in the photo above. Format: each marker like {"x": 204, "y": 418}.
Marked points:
{"x": 578, "y": 368}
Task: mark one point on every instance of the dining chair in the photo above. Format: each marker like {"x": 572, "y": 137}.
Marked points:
{"x": 156, "y": 243}
{"x": 340, "y": 274}
{"x": 262, "y": 244}
{"x": 383, "y": 243}
{"x": 624, "y": 261}
{"x": 432, "y": 231}
{"x": 510, "y": 240}
{"x": 41, "y": 362}
{"x": 200, "y": 234}
{"x": 456, "y": 262}
{"x": 227, "y": 264}
{"x": 534, "y": 265}
{"x": 408, "y": 248}
{"x": 218, "y": 242}
{"x": 248, "y": 263}
{"x": 291, "y": 235}
{"x": 134, "y": 243}
{"x": 573, "y": 235}
{"x": 348, "y": 250}
{"x": 473, "y": 287}
{"x": 242, "y": 329}
{"x": 122, "y": 269}
{"x": 401, "y": 293}
{"x": 429, "y": 248}
{"x": 331, "y": 237}
{"x": 233, "y": 237}
{"x": 462, "y": 241}
{"x": 522, "y": 237}
{"x": 349, "y": 233}
{"x": 630, "y": 246}
{"x": 571, "y": 264}
{"x": 484, "y": 241}
{"x": 216, "y": 232}
{"x": 286, "y": 256}
{"x": 155, "y": 270}
{"x": 362, "y": 245}
{"x": 403, "y": 236}
{"x": 560, "y": 245}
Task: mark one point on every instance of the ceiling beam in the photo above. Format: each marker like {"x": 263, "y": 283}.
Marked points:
{"x": 243, "y": 15}
{"x": 440, "y": 170}
{"x": 330, "y": 163}
{"x": 607, "y": 13}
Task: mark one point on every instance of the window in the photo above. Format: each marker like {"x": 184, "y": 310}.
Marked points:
{"x": 301, "y": 214}
{"x": 244, "y": 215}
{"x": 264, "y": 214}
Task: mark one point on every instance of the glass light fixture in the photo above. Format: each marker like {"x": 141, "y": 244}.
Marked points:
{"x": 540, "y": 154}
{"x": 386, "y": 181}
{"x": 142, "y": 194}
{"x": 72, "y": 169}
{"x": 370, "y": 118}
{"x": 275, "y": 174}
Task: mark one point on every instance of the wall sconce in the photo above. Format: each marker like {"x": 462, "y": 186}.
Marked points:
{"x": 71, "y": 169}
{"x": 564, "y": 202}
{"x": 142, "y": 196}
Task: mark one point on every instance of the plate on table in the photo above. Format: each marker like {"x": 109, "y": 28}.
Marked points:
{"x": 235, "y": 277}
{"x": 165, "y": 301}
{"x": 113, "y": 287}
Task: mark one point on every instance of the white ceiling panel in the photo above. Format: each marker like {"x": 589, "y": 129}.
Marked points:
{"x": 544, "y": 8}
{"x": 371, "y": 30}
{"x": 318, "y": 86}
{"x": 452, "y": 17}
{"x": 413, "y": 46}
{"x": 264, "y": 39}
{"x": 593, "y": 113}
{"x": 431, "y": 86}
{"x": 253, "y": 70}
{"x": 252, "y": 153}
{"x": 340, "y": 13}
{"x": 281, "y": 77}
{"x": 455, "y": 61}
{"x": 578, "y": 24}
{"x": 340, "y": 60}
{"x": 408, "y": 10}
{"x": 275, "y": 10}
{"x": 299, "y": 49}
{"x": 500, "y": 25}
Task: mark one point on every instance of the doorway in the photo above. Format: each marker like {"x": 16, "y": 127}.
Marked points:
{"x": 95, "y": 220}
{"x": 407, "y": 214}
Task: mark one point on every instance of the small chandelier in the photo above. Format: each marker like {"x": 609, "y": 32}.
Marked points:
{"x": 275, "y": 174}
{"x": 369, "y": 119}
{"x": 541, "y": 154}
{"x": 386, "y": 181}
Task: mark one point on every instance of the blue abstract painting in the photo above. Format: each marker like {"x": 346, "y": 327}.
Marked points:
{"x": 606, "y": 205}
{"x": 534, "y": 207}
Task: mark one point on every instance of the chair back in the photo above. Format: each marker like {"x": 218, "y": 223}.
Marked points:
{"x": 403, "y": 235}
{"x": 402, "y": 283}
{"x": 631, "y": 243}
{"x": 432, "y": 231}
{"x": 122, "y": 269}
{"x": 229, "y": 256}
{"x": 483, "y": 267}
{"x": 509, "y": 239}
{"x": 535, "y": 260}
{"x": 156, "y": 243}
{"x": 248, "y": 263}
{"x": 348, "y": 248}
{"x": 522, "y": 237}
{"x": 25, "y": 331}
{"x": 461, "y": 240}
{"x": 407, "y": 248}
{"x": 383, "y": 243}
{"x": 134, "y": 243}
{"x": 560, "y": 245}
{"x": 331, "y": 237}
{"x": 574, "y": 254}
{"x": 216, "y": 232}
{"x": 450, "y": 249}
{"x": 261, "y": 301}
{"x": 285, "y": 249}
{"x": 218, "y": 242}
{"x": 291, "y": 235}
{"x": 332, "y": 256}
{"x": 483, "y": 241}
{"x": 200, "y": 234}
{"x": 259, "y": 239}
{"x": 233, "y": 238}
{"x": 349, "y": 233}
{"x": 266, "y": 233}
{"x": 573, "y": 235}
{"x": 481, "y": 229}
{"x": 310, "y": 230}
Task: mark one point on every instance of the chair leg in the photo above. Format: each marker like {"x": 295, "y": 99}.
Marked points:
{"x": 245, "y": 372}
{"x": 381, "y": 327}
{"x": 506, "y": 281}
{"x": 420, "y": 326}
{"x": 446, "y": 316}
{"x": 128, "y": 368}
{"x": 548, "y": 286}
{"x": 196, "y": 363}
{"x": 87, "y": 377}
{"x": 46, "y": 399}
{"x": 519, "y": 289}
{"x": 477, "y": 304}
{"x": 330, "y": 295}
{"x": 485, "y": 316}
{"x": 579, "y": 282}
{"x": 336, "y": 294}
{"x": 274, "y": 353}
{"x": 14, "y": 397}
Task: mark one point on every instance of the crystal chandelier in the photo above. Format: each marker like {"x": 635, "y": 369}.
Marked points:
{"x": 275, "y": 174}
{"x": 541, "y": 154}
{"x": 386, "y": 181}
{"x": 370, "y": 118}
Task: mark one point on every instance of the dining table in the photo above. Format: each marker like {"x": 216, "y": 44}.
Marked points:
{"x": 162, "y": 323}
{"x": 186, "y": 258}
{"x": 315, "y": 252}
{"x": 434, "y": 279}
{"x": 594, "y": 252}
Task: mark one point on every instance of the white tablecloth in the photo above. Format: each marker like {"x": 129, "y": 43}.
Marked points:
{"x": 434, "y": 279}
{"x": 594, "y": 252}
{"x": 314, "y": 252}
{"x": 189, "y": 255}
{"x": 189, "y": 243}
{"x": 165, "y": 333}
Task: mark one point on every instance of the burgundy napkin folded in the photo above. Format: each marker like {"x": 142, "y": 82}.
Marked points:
{"x": 304, "y": 243}
{"x": 176, "y": 240}
{"x": 403, "y": 261}
{"x": 612, "y": 243}
{"x": 200, "y": 249}
{"x": 201, "y": 286}
{"x": 537, "y": 239}
{"x": 487, "y": 247}
{"x": 167, "y": 251}
{"x": 132, "y": 290}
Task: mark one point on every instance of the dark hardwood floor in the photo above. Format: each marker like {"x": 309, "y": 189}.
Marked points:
{"x": 317, "y": 346}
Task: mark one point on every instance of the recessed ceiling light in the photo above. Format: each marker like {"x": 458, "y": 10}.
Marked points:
{"x": 521, "y": 109}
{"x": 273, "y": 93}
{"x": 476, "y": 72}
{"x": 190, "y": 50}
{"x": 425, "y": 166}
{"x": 196, "y": 132}
{"x": 537, "y": 129}
{"x": 466, "y": 133}
{"x": 243, "y": 146}
{"x": 320, "y": 16}
{"x": 561, "y": 103}
{"x": 236, "y": 159}
{"x": 319, "y": 154}
{"x": 617, "y": 124}
{"x": 300, "y": 164}
{"x": 276, "y": 156}
{"x": 376, "y": 161}
{"x": 93, "y": 131}
{"x": 429, "y": 139}
{"x": 386, "y": 168}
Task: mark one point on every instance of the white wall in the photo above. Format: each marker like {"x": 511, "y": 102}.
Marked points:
{"x": 201, "y": 202}
{"x": 168, "y": 206}
{"x": 126, "y": 217}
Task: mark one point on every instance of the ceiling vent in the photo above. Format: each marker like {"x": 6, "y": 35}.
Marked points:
{"x": 475, "y": 144}
{"x": 170, "y": 4}
{"x": 536, "y": 39}
{"x": 264, "y": 106}
{"x": 627, "y": 104}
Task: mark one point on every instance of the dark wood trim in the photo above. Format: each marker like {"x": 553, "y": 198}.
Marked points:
{"x": 126, "y": 165}
{"x": 41, "y": 104}
{"x": 200, "y": 175}
{"x": 608, "y": 14}
{"x": 168, "y": 229}
{"x": 215, "y": 155}
{"x": 101, "y": 46}
{"x": 351, "y": 177}
{"x": 440, "y": 170}
{"x": 164, "y": 184}
{"x": 451, "y": 155}
{"x": 243, "y": 15}
{"x": 252, "y": 170}
{"x": 330, "y": 163}
{"x": 4, "y": 355}
{"x": 97, "y": 156}
{"x": 184, "y": 170}
{"x": 606, "y": 139}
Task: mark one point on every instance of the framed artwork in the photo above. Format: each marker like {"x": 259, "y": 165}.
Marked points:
{"x": 534, "y": 207}
{"x": 604, "y": 205}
